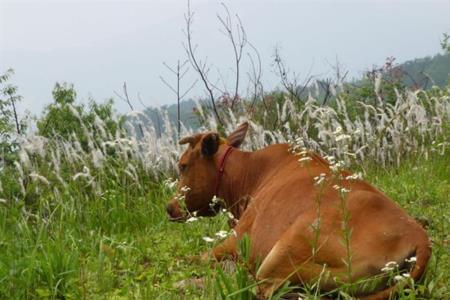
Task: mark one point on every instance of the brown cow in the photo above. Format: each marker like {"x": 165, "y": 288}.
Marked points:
{"x": 297, "y": 227}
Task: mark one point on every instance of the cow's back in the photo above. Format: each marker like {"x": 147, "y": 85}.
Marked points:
{"x": 285, "y": 193}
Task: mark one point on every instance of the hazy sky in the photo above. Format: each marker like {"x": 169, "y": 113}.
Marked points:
{"x": 97, "y": 45}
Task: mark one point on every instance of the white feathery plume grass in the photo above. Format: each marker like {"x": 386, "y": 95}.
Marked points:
{"x": 84, "y": 174}
{"x": 100, "y": 125}
{"x": 380, "y": 133}
{"x": 97, "y": 158}
{"x": 24, "y": 159}
{"x": 74, "y": 111}
{"x": 137, "y": 114}
{"x": 38, "y": 177}
{"x": 19, "y": 169}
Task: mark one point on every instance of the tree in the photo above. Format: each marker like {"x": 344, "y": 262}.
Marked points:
{"x": 11, "y": 127}
{"x": 65, "y": 118}
{"x": 445, "y": 43}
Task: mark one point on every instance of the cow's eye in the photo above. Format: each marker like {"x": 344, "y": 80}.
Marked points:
{"x": 182, "y": 167}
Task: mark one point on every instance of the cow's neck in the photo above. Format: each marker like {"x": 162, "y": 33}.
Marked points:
{"x": 239, "y": 180}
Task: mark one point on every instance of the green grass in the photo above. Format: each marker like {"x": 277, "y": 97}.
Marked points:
{"x": 76, "y": 244}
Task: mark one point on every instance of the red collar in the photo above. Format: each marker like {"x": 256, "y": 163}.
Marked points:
{"x": 221, "y": 169}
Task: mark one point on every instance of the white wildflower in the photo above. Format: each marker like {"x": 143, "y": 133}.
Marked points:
{"x": 185, "y": 189}
{"x": 222, "y": 234}
{"x": 389, "y": 266}
{"x": 344, "y": 190}
{"x": 406, "y": 275}
{"x": 303, "y": 153}
{"x": 215, "y": 200}
{"x": 230, "y": 215}
{"x": 356, "y": 176}
{"x": 4, "y": 201}
{"x": 191, "y": 219}
{"x": 337, "y": 166}
{"x": 208, "y": 239}
{"x": 412, "y": 259}
{"x": 319, "y": 179}
{"x": 398, "y": 277}
{"x": 343, "y": 137}
{"x": 170, "y": 183}
{"x": 330, "y": 158}
{"x": 304, "y": 159}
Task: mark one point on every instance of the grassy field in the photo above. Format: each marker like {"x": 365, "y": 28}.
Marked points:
{"x": 82, "y": 212}
{"x": 120, "y": 245}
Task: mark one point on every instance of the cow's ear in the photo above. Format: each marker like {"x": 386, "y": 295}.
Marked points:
{"x": 210, "y": 144}
{"x": 236, "y": 138}
{"x": 191, "y": 140}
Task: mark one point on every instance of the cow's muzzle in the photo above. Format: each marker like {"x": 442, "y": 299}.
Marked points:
{"x": 174, "y": 211}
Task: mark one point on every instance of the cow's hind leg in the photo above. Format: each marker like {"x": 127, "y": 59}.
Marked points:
{"x": 282, "y": 265}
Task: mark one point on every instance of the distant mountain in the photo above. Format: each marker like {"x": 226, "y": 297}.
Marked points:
{"x": 420, "y": 72}
{"x": 186, "y": 114}
{"x": 427, "y": 71}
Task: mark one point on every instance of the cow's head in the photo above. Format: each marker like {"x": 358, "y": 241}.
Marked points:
{"x": 198, "y": 172}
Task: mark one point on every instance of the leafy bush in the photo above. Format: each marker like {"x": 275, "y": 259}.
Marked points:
{"x": 66, "y": 119}
{"x": 11, "y": 127}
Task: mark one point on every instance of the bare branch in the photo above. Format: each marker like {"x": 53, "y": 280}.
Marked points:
{"x": 290, "y": 84}
{"x": 128, "y": 101}
{"x": 179, "y": 71}
{"x": 255, "y": 77}
{"x": 189, "y": 89}
{"x": 168, "y": 85}
{"x": 197, "y": 65}
{"x": 237, "y": 44}
{"x": 125, "y": 92}
{"x": 326, "y": 86}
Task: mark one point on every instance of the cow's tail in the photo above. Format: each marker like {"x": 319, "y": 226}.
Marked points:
{"x": 422, "y": 253}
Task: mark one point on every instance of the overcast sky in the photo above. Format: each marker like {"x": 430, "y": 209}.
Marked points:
{"x": 97, "y": 45}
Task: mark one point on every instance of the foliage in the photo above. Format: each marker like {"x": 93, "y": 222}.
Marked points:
{"x": 10, "y": 125}
{"x": 428, "y": 71}
{"x": 66, "y": 119}
{"x": 445, "y": 43}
